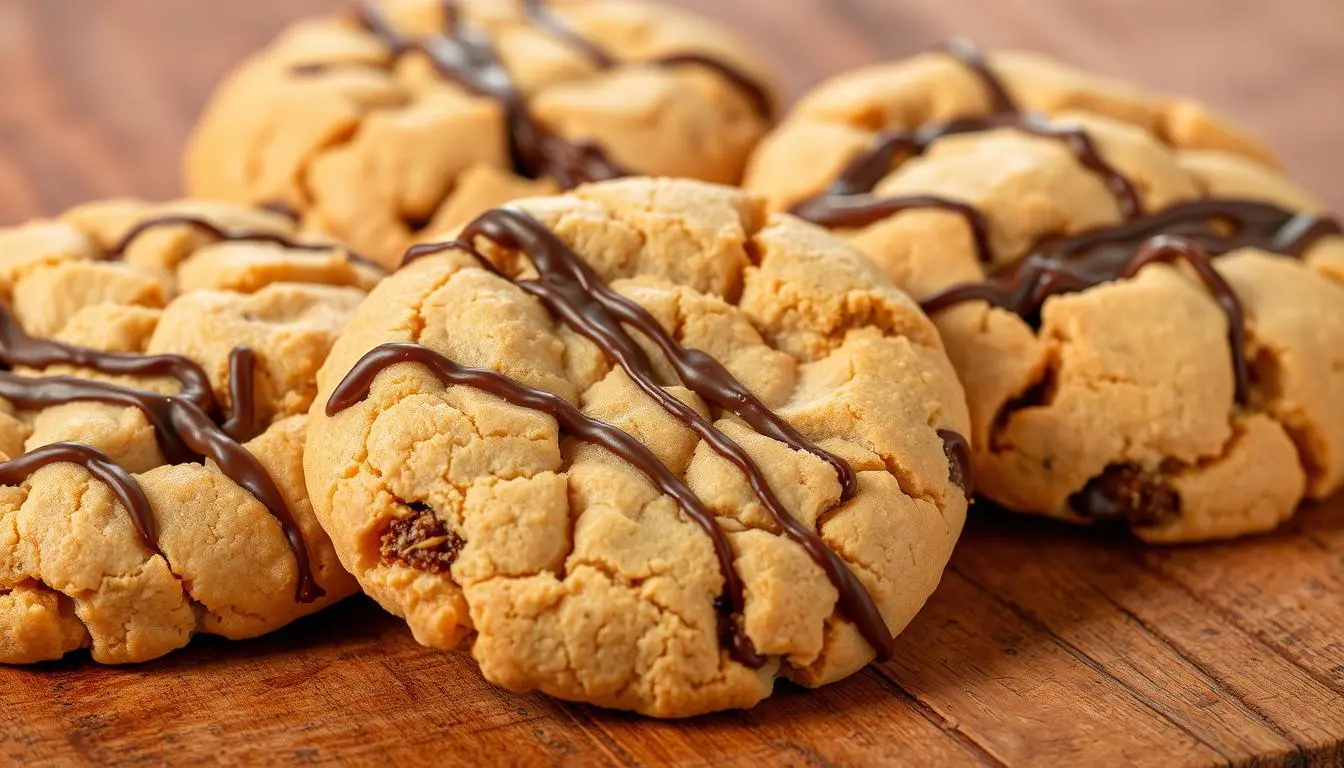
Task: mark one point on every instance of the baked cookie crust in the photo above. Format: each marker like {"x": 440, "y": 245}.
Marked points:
{"x": 1014, "y": 196}
{"x": 464, "y": 487}
{"x": 413, "y": 116}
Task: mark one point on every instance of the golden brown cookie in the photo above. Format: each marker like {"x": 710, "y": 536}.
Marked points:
{"x": 156, "y": 360}
{"x": 413, "y": 116}
{"x": 644, "y": 446}
{"x": 1147, "y": 316}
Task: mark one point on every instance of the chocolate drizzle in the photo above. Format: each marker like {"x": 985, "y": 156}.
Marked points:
{"x": 123, "y": 484}
{"x": 184, "y": 424}
{"x": 1193, "y": 232}
{"x": 185, "y": 434}
{"x": 243, "y": 422}
{"x": 356, "y": 387}
{"x": 202, "y": 224}
{"x": 848, "y": 202}
{"x": 467, "y": 57}
{"x": 1196, "y": 231}
{"x": 574, "y": 292}
{"x": 19, "y": 349}
{"x": 970, "y": 55}
{"x": 542, "y": 16}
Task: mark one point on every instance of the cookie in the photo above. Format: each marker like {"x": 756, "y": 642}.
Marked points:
{"x": 412, "y": 116}
{"x": 643, "y": 445}
{"x": 157, "y": 360}
{"x": 1147, "y": 315}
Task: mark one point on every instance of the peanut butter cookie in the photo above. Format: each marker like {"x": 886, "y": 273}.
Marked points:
{"x": 643, "y": 445}
{"x": 416, "y": 115}
{"x": 1147, "y": 315}
{"x": 156, "y": 360}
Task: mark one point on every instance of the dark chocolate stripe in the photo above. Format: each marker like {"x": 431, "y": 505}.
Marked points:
{"x": 848, "y": 202}
{"x": 185, "y": 434}
{"x": 467, "y": 57}
{"x": 1195, "y": 232}
{"x": 356, "y": 387}
{"x": 573, "y": 291}
{"x": 542, "y": 16}
{"x": 17, "y": 348}
{"x": 970, "y": 55}
{"x": 1171, "y": 249}
{"x": 242, "y": 424}
{"x": 202, "y": 224}
{"x": 122, "y": 483}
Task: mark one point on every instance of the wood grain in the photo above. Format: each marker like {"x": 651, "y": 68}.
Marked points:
{"x": 1044, "y": 645}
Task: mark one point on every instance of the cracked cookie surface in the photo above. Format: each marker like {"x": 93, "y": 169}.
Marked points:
{"x": 1119, "y": 402}
{"x": 558, "y": 561}
{"x": 121, "y": 325}
{"x": 377, "y": 147}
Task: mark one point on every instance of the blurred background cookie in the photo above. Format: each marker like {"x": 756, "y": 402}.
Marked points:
{"x": 414, "y": 115}
{"x": 1146, "y": 313}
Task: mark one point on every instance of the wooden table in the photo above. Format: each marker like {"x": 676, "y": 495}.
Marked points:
{"x": 1044, "y": 646}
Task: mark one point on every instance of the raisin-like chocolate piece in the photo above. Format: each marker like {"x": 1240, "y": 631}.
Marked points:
{"x": 1127, "y": 494}
{"x": 422, "y": 542}
{"x": 958, "y": 453}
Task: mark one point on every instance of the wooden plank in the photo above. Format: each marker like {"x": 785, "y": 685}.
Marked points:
{"x": 348, "y": 686}
{"x": 1287, "y": 591}
{"x": 1026, "y": 698}
{"x": 1179, "y": 654}
{"x": 865, "y": 720}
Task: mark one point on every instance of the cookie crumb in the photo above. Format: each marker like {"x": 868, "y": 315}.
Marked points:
{"x": 422, "y": 541}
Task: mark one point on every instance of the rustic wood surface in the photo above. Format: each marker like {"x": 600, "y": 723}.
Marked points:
{"x": 1044, "y": 646}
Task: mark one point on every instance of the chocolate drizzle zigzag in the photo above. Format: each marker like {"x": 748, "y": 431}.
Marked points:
{"x": 122, "y": 483}
{"x": 467, "y": 57}
{"x": 849, "y": 201}
{"x": 205, "y": 225}
{"x": 188, "y": 426}
{"x": 574, "y": 293}
{"x": 185, "y": 435}
{"x": 1191, "y": 232}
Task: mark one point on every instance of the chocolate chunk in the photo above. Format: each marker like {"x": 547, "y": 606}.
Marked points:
{"x": 422, "y": 542}
{"x": 958, "y": 453}
{"x": 1127, "y": 494}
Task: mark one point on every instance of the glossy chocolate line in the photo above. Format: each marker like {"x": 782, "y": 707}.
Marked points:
{"x": 970, "y": 55}
{"x": 357, "y": 384}
{"x": 17, "y": 348}
{"x": 1081, "y": 261}
{"x": 202, "y": 224}
{"x": 573, "y": 289}
{"x": 242, "y": 424}
{"x": 542, "y": 16}
{"x": 185, "y": 434}
{"x": 848, "y": 202}
{"x": 1249, "y": 224}
{"x": 574, "y": 292}
{"x": 468, "y": 58}
{"x": 1171, "y": 249}
{"x": 1039, "y": 277}
{"x": 122, "y": 483}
